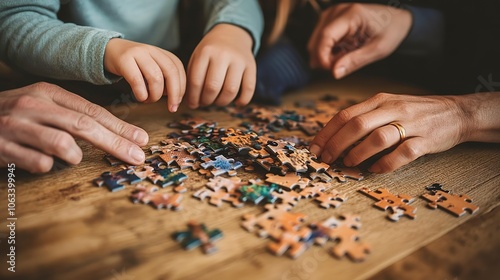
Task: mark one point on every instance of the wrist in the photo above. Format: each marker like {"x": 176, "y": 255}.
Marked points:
{"x": 230, "y": 32}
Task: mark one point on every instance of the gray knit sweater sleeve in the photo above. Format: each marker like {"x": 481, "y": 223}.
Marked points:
{"x": 32, "y": 39}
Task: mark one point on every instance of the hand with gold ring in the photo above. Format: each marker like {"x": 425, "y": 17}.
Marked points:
{"x": 411, "y": 126}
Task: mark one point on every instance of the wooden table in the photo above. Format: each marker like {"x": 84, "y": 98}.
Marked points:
{"x": 67, "y": 228}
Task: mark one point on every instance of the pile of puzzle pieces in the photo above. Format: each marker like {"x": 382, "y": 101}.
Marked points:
{"x": 291, "y": 173}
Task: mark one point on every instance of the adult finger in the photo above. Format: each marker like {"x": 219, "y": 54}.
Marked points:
{"x": 197, "y": 70}
{"x": 340, "y": 120}
{"x": 231, "y": 85}
{"x": 325, "y": 17}
{"x": 216, "y": 72}
{"x": 247, "y": 85}
{"x": 358, "y": 58}
{"x": 50, "y": 141}
{"x": 379, "y": 140}
{"x": 79, "y": 104}
{"x": 153, "y": 75}
{"x": 86, "y": 128}
{"x": 24, "y": 157}
{"x": 355, "y": 129}
{"x": 408, "y": 151}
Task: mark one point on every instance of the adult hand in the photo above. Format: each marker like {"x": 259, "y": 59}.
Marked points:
{"x": 348, "y": 37}
{"x": 39, "y": 121}
{"x": 432, "y": 124}
{"x": 151, "y": 72}
{"x": 222, "y": 65}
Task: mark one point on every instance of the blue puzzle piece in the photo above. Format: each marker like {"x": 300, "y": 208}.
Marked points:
{"x": 198, "y": 235}
{"x": 113, "y": 181}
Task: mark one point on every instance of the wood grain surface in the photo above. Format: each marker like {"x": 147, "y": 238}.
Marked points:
{"x": 67, "y": 228}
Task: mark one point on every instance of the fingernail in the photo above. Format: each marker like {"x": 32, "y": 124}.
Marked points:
{"x": 315, "y": 149}
{"x": 340, "y": 72}
{"x": 326, "y": 157}
{"x": 374, "y": 169}
{"x": 173, "y": 108}
{"x": 140, "y": 137}
{"x": 137, "y": 154}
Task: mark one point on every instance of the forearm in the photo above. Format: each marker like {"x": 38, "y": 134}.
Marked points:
{"x": 481, "y": 116}
{"x": 245, "y": 14}
{"x": 32, "y": 39}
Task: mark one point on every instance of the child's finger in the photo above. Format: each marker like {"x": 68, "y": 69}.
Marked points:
{"x": 214, "y": 80}
{"x": 171, "y": 74}
{"x": 231, "y": 85}
{"x": 182, "y": 78}
{"x": 247, "y": 85}
{"x": 132, "y": 74}
{"x": 153, "y": 75}
{"x": 197, "y": 70}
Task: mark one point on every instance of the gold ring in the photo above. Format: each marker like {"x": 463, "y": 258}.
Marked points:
{"x": 401, "y": 130}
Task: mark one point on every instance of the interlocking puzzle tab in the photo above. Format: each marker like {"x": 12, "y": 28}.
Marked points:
{"x": 397, "y": 204}
{"x": 257, "y": 192}
{"x": 457, "y": 205}
{"x": 198, "y": 235}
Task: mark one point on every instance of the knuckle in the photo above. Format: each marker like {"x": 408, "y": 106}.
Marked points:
{"x": 83, "y": 123}
{"x": 410, "y": 151}
{"x": 118, "y": 144}
{"x": 360, "y": 123}
{"x": 156, "y": 76}
{"x": 25, "y": 102}
{"x": 212, "y": 87}
{"x": 381, "y": 96}
{"x": 43, "y": 87}
{"x": 92, "y": 110}
{"x": 62, "y": 141}
{"x": 6, "y": 122}
{"x": 231, "y": 89}
{"x": 380, "y": 138}
{"x": 343, "y": 116}
{"x": 42, "y": 164}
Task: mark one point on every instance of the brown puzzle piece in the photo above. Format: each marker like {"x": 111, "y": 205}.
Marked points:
{"x": 387, "y": 200}
{"x": 458, "y": 205}
{"x": 288, "y": 182}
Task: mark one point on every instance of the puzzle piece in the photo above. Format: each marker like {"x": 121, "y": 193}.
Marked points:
{"x": 218, "y": 196}
{"x": 291, "y": 241}
{"x": 222, "y": 165}
{"x": 257, "y": 192}
{"x": 182, "y": 158}
{"x": 288, "y": 182}
{"x": 274, "y": 221}
{"x": 323, "y": 177}
{"x": 230, "y": 184}
{"x": 198, "y": 235}
{"x": 114, "y": 181}
{"x": 344, "y": 232}
{"x": 458, "y": 205}
{"x": 112, "y": 160}
{"x": 397, "y": 204}
{"x": 287, "y": 197}
{"x": 172, "y": 178}
{"x": 310, "y": 128}
{"x": 142, "y": 193}
{"x": 332, "y": 198}
{"x": 272, "y": 165}
{"x": 313, "y": 190}
{"x": 343, "y": 173}
{"x": 297, "y": 159}
{"x": 168, "y": 201}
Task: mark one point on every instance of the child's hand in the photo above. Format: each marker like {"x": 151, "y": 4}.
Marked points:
{"x": 150, "y": 71}
{"x": 221, "y": 66}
